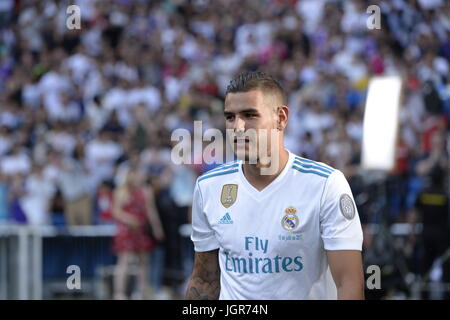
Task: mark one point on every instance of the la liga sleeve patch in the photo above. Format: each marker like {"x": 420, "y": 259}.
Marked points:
{"x": 347, "y": 206}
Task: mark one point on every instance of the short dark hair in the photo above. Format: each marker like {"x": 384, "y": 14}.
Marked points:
{"x": 256, "y": 80}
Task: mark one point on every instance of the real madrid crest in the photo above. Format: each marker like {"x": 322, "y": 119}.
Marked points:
{"x": 290, "y": 220}
{"x": 229, "y": 195}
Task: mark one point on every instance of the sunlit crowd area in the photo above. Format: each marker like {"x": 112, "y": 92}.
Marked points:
{"x": 81, "y": 107}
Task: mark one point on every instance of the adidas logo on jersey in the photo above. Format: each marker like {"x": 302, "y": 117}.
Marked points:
{"x": 226, "y": 219}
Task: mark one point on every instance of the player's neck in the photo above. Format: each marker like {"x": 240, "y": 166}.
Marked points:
{"x": 252, "y": 172}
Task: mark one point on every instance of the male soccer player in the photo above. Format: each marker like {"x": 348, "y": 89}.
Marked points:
{"x": 293, "y": 234}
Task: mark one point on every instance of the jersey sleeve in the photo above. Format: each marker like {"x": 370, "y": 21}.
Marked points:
{"x": 340, "y": 226}
{"x": 203, "y": 236}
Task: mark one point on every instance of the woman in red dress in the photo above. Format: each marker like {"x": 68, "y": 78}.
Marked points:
{"x": 134, "y": 209}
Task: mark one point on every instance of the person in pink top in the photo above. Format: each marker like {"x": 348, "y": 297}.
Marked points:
{"x": 134, "y": 210}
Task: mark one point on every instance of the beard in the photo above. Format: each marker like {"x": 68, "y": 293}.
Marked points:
{"x": 254, "y": 145}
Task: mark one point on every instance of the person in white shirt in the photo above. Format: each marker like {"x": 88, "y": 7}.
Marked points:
{"x": 37, "y": 200}
{"x": 294, "y": 234}
{"x": 101, "y": 156}
{"x": 97, "y": 113}
{"x": 17, "y": 161}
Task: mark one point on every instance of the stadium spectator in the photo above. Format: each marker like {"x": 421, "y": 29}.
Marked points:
{"x": 104, "y": 203}
{"x": 73, "y": 180}
{"x": 4, "y": 203}
{"x": 101, "y": 155}
{"x": 36, "y": 201}
{"x": 137, "y": 70}
{"x": 16, "y": 193}
{"x": 134, "y": 210}
{"x": 16, "y": 162}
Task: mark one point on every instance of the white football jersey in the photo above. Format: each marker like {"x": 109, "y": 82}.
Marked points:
{"x": 272, "y": 242}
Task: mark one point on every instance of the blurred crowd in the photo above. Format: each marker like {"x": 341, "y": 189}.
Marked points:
{"x": 80, "y": 107}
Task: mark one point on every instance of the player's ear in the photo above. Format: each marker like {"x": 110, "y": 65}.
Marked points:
{"x": 282, "y": 115}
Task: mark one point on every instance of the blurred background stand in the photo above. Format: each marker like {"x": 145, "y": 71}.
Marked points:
{"x": 20, "y": 262}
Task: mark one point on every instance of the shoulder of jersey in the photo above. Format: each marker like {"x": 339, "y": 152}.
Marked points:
{"x": 313, "y": 168}
{"x": 225, "y": 169}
